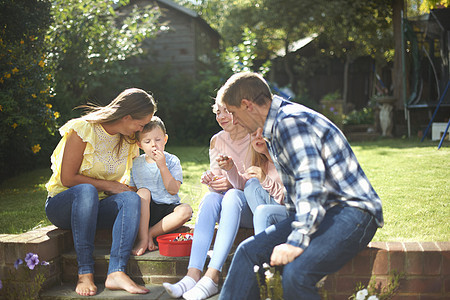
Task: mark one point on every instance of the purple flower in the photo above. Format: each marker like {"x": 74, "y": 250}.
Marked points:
{"x": 44, "y": 263}
{"x": 17, "y": 263}
{"x": 32, "y": 260}
{"x": 331, "y": 108}
{"x": 28, "y": 256}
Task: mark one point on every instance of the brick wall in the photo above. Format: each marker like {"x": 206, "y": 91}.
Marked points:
{"x": 426, "y": 269}
{"x": 426, "y": 265}
{"x": 48, "y": 242}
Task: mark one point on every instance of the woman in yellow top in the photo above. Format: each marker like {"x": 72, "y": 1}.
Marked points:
{"x": 88, "y": 188}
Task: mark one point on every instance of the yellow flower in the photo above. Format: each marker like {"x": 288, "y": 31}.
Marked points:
{"x": 1, "y": 80}
{"x": 41, "y": 63}
{"x": 48, "y": 105}
{"x": 43, "y": 92}
{"x": 49, "y": 76}
{"x": 15, "y": 70}
{"x": 33, "y": 95}
{"x": 14, "y": 125}
{"x": 8, "y": 75}
{"x": 36, "y": 148}
{"x": 1, "y": 108}
{"x": 57, "y": 115}
{"x": 21, "y": 42}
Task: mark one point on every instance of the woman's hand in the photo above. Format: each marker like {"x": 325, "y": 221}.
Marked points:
{"x": 225, "y": 162}
{"x": 115, "y": 187}
{"x": 255, "y": 172}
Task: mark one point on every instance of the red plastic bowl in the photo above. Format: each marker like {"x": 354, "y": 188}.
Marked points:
{"x": 169, "y": 247}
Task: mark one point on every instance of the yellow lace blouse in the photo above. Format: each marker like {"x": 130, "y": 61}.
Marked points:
{"x": 100, "y": 159}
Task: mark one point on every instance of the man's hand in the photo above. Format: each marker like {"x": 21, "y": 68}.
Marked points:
{"x": 284, "y": 254}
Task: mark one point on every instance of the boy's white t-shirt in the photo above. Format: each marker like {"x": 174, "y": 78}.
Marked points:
{"x": 147, "y": 175}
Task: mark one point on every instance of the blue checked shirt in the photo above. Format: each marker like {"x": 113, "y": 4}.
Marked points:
{"x": 317, "y": 166}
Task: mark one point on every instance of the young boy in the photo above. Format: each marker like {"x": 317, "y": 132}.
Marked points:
{"x": 157, "y": 175}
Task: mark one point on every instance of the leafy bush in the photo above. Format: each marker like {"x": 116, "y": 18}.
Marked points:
{"x": 356, "y": 117}
{"x": 27, "y": 118}
{"x": 87, "y": 41}
{"x": 331, "y": 107}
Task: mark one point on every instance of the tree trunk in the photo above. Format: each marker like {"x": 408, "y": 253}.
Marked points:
{"x": 397, "y": 76}
{"x": 287, "y": 68}
{"x": 345, "y": 87}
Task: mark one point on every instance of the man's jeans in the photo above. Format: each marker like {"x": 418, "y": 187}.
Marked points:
{"x": 344, "y": 232}
{"x": 80, "y": 210}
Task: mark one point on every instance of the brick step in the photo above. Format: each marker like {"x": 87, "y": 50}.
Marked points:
{"x": 66, "y": 291}
{"x": 150, "y": 268}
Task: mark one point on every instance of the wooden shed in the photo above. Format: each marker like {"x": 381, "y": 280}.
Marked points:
{"x": 188, "y": 44}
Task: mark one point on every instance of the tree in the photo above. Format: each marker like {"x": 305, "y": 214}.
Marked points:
{"x": 347, "y": 29}
{"x": 86, "y": 43}
{"x": 356, "y": 28}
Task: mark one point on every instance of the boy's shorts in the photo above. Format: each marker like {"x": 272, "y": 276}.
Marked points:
{"x": 159, "y": 211}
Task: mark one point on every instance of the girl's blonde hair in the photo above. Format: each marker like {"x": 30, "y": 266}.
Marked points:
{"x": 134, "y": 102}
{"x": 259, "y": 160}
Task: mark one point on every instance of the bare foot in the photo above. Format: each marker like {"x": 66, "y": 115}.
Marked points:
{"x": 151, "y": 245}
{"x": 85, "y": 285}
{"x": 121, "y": 281}
{"x": 140, "y": 247}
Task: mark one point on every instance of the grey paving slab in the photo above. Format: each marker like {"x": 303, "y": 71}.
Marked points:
{"x": 67, "y": 292}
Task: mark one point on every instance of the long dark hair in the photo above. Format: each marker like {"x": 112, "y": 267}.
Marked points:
{"x": 134, "y": 102}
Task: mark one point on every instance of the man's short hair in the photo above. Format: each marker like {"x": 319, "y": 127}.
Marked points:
{"x": 245, "y": 85}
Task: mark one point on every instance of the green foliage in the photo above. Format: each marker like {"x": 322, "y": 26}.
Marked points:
{"x": 331, "y": 107}
{"x": 269, "y": 282}
{"x": 86, "y": 41}
{"x": 356, "y": 117}
{"x": 27, "y": 118}
{"x": 376, "y": 290}
{"x": 427, "y": 5}
{"x": 241, "y": 57}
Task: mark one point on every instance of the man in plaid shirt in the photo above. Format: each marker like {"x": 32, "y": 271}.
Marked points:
{"x": 334, "y": 211}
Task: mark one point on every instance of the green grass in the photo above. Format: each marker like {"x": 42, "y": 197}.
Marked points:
{"x": 411, "y": 178}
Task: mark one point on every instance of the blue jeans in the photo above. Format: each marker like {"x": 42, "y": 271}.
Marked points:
{"x": 233, "y": 212}
{"x": 80, "y": 210}
{"x": 269, "y": 214}
{"x": 343, "y": 232}
{"x": 266, "y": 211}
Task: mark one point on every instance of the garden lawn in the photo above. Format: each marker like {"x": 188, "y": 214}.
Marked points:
{"x": 411, "y": 178}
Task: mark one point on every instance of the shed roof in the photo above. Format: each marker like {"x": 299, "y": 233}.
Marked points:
{"x": 181, "y": 8}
